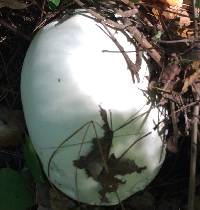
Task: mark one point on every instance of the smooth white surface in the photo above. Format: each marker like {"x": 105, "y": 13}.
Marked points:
{"x": 65, "y": 78}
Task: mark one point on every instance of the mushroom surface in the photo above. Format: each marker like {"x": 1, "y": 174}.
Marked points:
{"x": 90, "y": 124}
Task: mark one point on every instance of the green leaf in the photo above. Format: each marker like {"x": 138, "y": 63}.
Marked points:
{"x": 198, "y": 3}
{"x": 33, "y": 162}
{"x": 14, "y": 191}
{"x": 53, "y": 4}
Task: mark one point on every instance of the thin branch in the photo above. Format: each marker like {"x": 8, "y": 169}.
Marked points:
{"x": 140, "y": 38}
{"x": 193, "y": 159}
{"x": 131, "y": 66}
{"x": 195, "y": 12}
{"x": 137, "y": 35}
{"x": 135, "y": 142}
{"x": 174, "y": 123}
{"x": 177, "y": 41}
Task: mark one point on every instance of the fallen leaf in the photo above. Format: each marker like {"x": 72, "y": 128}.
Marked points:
{"x": 172, "y": 145}
{"x": 102, "y": 166}
{"x": 14, "y": 4}
{"x": 93, "y": 162}
{"x": 184, "y": 19}
{"x": 174, "y": 12}
{"x": 196, "y": 65}
{"x": 192, "y": 78}
{"x": 177, "y": 3}
{"x": 109, "y": 181}
{"x": 156, "y": 13}
{"x": 165, "y": 3}
{"x": 127, "y": 13}
{"x": 185, "y": 32}
{"x": 170, "y": 14}
{"x": 170, "y": 72}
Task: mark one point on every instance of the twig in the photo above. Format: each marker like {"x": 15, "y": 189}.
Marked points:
{"x": 174, "y": 123}
{"x": 135, "y": 142}
{"x": 140, "y": 38}
{"x": 131, "y": 66}
{"x": 137, "y": 35}
{"x": 177, "y": 41}
{"x": 193, "y": 159}
{"x": 186, "y": 106}
{"x": 43, "y": 11}
{"x": 195, "y": 12}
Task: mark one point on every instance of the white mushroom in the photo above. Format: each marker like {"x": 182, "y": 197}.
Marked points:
{"x": 73, "y": 75}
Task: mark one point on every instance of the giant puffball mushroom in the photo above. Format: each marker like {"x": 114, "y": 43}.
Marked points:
{"x": 90, "y": 124}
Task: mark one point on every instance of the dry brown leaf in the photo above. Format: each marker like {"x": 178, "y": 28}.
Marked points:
{"x": 185, "y": 33}
{"x": 178, "y": 3}
{"x": 176, "y": 12}
{"x": 172, "y": 145}
{"x": 192, "y": 78}
{"x": 161, "y": 3}
{"x": 156, "y": 13}
{"x": 127, "y": 13}
{"x": 196, "y": 65}
{"x": 14, "y": 4}
{"x": 170, "y": 72}
{"x": 184, "y": 19}
{"x": 170, "y": 13}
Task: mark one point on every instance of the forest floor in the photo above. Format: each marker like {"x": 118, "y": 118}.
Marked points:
{"x": 163, "y": 27}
